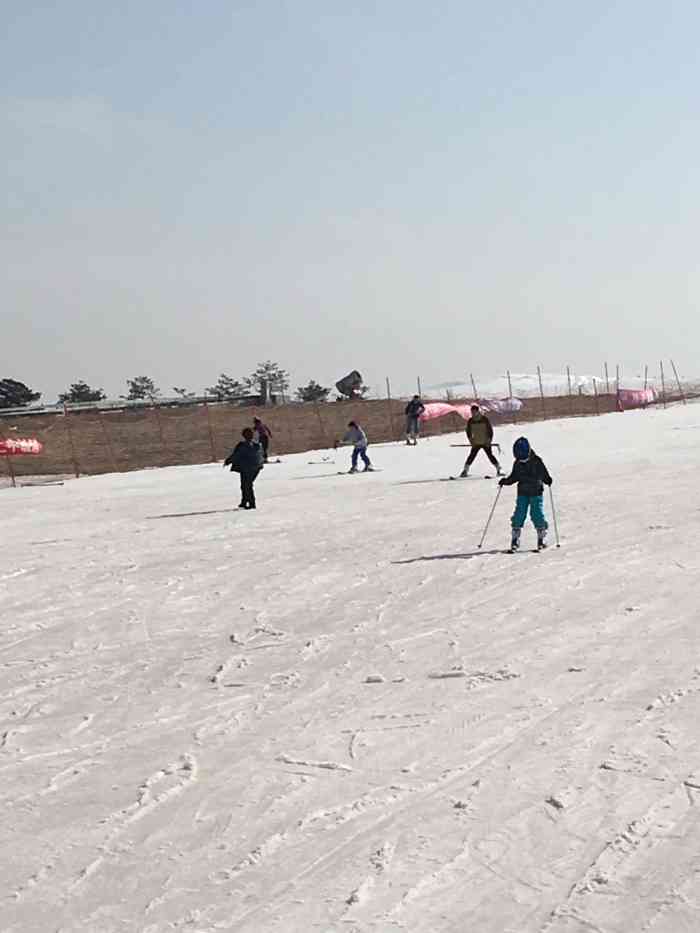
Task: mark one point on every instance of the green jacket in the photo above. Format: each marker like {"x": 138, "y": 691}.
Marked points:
{"x": 479, "y": 431}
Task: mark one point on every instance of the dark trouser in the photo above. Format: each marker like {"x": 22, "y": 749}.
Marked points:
{"x": 264, "y": 443}
{"x": 412, "y": 429}
{"x": 360, "y": 452}
{"x": 247, "y": 492}
{"x": 487, "y": 450}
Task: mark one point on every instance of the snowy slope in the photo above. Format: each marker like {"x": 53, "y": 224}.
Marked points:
{"x": 335, "y": 714}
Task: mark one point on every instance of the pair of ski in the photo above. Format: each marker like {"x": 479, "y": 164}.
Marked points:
{"x": 535, "y": 550}
{"x": 469, "y": 477}
{"x": 357, "y": 472}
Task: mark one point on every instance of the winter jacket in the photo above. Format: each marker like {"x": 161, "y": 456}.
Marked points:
{"x": 479, "y": 431}
{"x": 355, "y": 436}
{"x": 530, "y": 475}
{"x": 262, "y": 430}
{"x": 415, "y": 408}
{"x": 246, "y": 457}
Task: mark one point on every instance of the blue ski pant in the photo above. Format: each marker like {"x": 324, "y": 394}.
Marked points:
{"x": 359, "y": 452}
{"x": 535, "y": 505}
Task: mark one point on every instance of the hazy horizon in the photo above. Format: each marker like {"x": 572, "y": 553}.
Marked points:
{"x": 405, "y": 191}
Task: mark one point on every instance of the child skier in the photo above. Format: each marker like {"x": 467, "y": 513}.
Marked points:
{"x": 357, "y": 437}
{"x": 531, "y": 475}
{"x": 246, "y": 458}
{"x": 480, "y": 436}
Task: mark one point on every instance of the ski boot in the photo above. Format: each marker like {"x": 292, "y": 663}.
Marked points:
{"x": 368, "y": 469}
{"x": 541, "y": 538}
{"x": 352, "y": 470}
{"x": 515, "y": 540}
{"x": 465, "y": 473}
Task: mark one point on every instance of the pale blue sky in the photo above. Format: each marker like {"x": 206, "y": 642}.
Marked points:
{"x": 191, "y": 188}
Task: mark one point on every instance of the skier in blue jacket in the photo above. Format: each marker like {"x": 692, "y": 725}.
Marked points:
{"x": 531, "y": 475}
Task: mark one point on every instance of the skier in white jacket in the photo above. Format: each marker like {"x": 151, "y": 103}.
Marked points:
{"x": 357, "y": 437}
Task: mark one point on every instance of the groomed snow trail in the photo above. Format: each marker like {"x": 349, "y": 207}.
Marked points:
{"x": 336, "y": 714}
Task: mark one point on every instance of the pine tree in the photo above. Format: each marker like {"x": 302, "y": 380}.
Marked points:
{"x": 14, "y": 394}
{"x": 81, "y": 392}
{"x": 226, "y": 388}
{"x": 313, "y": 392}
{"x": 141, "y": 387}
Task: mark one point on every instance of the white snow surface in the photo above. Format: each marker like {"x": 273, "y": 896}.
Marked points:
{"x": 336, "y": 714}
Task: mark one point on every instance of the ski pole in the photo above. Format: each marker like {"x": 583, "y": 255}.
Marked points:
{"x": 554, "y": 516}
{"x": 493, "y": 509}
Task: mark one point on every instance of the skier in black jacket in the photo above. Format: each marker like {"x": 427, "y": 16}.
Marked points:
{"x": 413, "y": 411}
{"x": 246, "y": 458}
{"x": 531, "y": 475}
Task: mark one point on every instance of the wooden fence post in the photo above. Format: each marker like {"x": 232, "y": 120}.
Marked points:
{"x": 476, "y": 394}
{"x": 70, "y": 441}
{"x": 607, "y": 380}
{"x": 10, "y": 468}
{"x": 595, "y": 393}
{"x": 211, "y": 433}
{"x": 571, "y": 400}
{"x": 160, "y": 426}
{"x": 680, "y": 387}
{"x": 646, "y": 377}
{"x": 324, "y": 438}
{"x": 539, "y": 377}
{"x": 663, "y": 384}
{"x": 108, "y": 441}
{"x": 510, "y": 396}
{"x": 391, "y": 413}
{"x": 617, "y": 387}
{"x": 420, "y": 391}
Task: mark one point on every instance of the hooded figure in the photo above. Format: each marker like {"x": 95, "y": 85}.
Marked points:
{"x": 246, "y": 458}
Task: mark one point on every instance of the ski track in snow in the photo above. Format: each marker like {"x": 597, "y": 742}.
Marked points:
{"x": 338, "y": 715}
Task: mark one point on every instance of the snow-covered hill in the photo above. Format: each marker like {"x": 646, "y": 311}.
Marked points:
{"x": 528, "y": 384}
{"x": 336, "y": 714}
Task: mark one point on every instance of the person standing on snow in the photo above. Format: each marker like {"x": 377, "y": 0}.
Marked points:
{"x": 480, "y": 436}
{"x": 531, "y": 475}
{"x": 413, "y": 411}
{"x": 262, "y": 435}
{"x": 246, "y": 458}
{"x": 357, "y": 437}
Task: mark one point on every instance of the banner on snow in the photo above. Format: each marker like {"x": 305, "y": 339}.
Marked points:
{"x": 15, "y": 446}
{"x": 463, "y": 409}
{"x": 636, "y": 398}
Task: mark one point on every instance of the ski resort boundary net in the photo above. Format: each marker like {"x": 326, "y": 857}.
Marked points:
{"x": 85, "y": 441}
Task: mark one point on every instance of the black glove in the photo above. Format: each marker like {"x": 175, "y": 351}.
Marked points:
{"x": 501, "y": 482}
{"x": 548, "y": 482}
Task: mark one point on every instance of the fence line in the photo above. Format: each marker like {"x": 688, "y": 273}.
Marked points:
{"x": 92, "y": 441}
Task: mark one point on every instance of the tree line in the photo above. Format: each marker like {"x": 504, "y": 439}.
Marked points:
{"x": 16, "y": 394}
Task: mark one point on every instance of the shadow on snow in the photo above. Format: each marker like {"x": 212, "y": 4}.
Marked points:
{"x": 188, "y": 514}
{"x": 469, "y": 556}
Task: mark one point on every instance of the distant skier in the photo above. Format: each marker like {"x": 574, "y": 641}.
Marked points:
{"x": 246, "y": 458}
{"x": 480, "y": 436}
{"x": 357, "y": 437}
{"x": 262, "y": 435}
{"x": 531, "y": 475}
{"x": 413, "y": 411}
